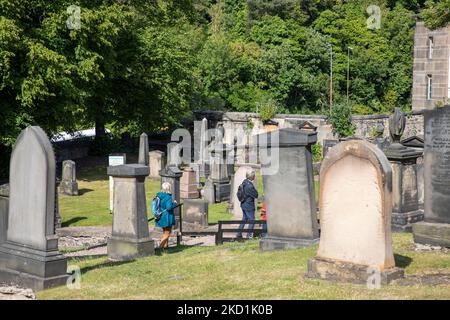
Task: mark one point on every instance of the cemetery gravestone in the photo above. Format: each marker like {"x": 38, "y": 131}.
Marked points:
{"x": 239, "y": 177}
{"x": 130, "y": 236}
{"x": 219, "y": 172}
{"x": 188, "y": 185}
{"x": 143, "y": 150}
{"x": 355, "y": 230}
{"x": 29, "y": 257}
{"x": 69, "y": 185}
{"x": 4, "y": 204}
{"x": 435, "y": 229}
{"x": 172, "y": 175}
{"x": 195, "y": 211}
{"x": 327, "y": 144}
{"x": 289, "y": 193}
{"x": 157, "y": 163}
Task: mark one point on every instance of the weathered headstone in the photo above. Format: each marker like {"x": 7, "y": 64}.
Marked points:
{"x": 188, "y": 185}
{"x": 403, "y": 160}
{"x": 195, "y": 211}
{"x": 203, "y": 153}
{"x": 157, "y": 162}
{"x": 219, "y": 172}
{"x": 435, "y": 229}
{"x": 208, "y": 191}
{"x": 130, "y": 236}
{"x": 29, "y": 257}
{"x": 69, "y": 185}
{"x": 238, "y": 178}
{"x": 4, "y": 204}
{"x": 418, "y": 143}
{"x": 355, "y": 216}
{"x": 143, "y": 150}
{"x": 327, "y": 144}
{"x": 289, "y": 193}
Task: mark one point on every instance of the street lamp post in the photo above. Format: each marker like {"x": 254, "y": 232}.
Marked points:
{"x": 348, "y": 73}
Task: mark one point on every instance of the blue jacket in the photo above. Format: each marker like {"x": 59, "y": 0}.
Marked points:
{"x": 251, "y": 194}
{"x": 167, "y": 218}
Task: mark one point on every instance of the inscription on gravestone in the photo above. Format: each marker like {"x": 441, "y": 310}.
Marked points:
{"x": 435, "y": 230}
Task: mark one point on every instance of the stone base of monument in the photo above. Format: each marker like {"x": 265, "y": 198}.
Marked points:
{"x": 30, "y": 268}
{"x": 271, "y": 243}
{"x": 338, "y": 271}
{"x": 69, "y": 188}
{"x": 435, "y": 234}
{"x": 403, "y": 222}
{"x": 120, "y": 249}
{"x": 195, "y": 211}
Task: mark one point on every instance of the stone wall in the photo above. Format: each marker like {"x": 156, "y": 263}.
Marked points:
{"x": 365, "y": 125}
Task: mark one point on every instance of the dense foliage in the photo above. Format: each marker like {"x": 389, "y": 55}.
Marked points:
{"x": 136, "y": 65}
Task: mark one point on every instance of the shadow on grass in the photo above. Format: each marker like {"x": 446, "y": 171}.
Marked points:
{"x": 72, "y": 221}
{"x": 402, "y": 261}
{"x": 170, "y": 250}
{"x": 105, "y": 264}
{"x": 83, "y": 191}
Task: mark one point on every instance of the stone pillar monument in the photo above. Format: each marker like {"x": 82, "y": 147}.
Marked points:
{"x": 69, "y": 185}
{"x": 289, "y": 193}
{"x": 172, "y": 175}
{"x": 29, "y": 257}
{"x": 143, "y": 150}
{"x": 435, "y": 229}
{"x": 130, "y": 236}
{"x": 188, "y": 185}
{"x": 405, "y": 196}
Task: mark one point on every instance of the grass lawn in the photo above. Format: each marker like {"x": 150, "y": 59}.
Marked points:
{"x": 241, "y": 271}
{"x": 91, "y": 207}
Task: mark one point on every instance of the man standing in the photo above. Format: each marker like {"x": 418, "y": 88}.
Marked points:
{"x": 247, "y": 194}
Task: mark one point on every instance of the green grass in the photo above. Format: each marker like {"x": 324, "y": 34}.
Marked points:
{"x": 91, "y": 207}
{"x": 241, "y": 271}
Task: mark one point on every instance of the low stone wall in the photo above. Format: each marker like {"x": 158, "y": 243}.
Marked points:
{"x": 365, "y": 125}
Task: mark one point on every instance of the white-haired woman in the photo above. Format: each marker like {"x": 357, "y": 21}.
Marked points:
{"x": 167, "y": 220}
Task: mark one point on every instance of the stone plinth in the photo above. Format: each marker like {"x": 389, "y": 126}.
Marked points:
{"x": 405, "y": 195}
{"x": 435, "y": 229}
{"x": 355, "y": 215}
{"x": 29, "y": 257}
{"x": 195, "y": 211}
{"x": 289, "y": 191}
{"x": 130, "y": 237}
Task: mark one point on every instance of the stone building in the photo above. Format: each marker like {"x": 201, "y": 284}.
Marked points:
{"x": 431, "y": 73}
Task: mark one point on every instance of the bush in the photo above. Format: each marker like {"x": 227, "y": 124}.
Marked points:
{"x": 317, "y": 152}
{"x": 268, "y": 109}
{"x": 340, "y": 118}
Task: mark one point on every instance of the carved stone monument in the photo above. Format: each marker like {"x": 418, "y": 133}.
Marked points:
{"x": 435, "y": 229}
{"x": 289, "y": 192}
{"x": 130, "y": 237}
{"x": 143, "y": 150}
{"x": 29, "y": 257}
{"x": 405, "y": 193}
{"x": 188, "y": 185}
{"x": 355, "y": 216}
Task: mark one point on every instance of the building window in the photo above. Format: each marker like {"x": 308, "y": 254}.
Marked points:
{"x": 429, "y": 87}
{"x": 430, "y": 47}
